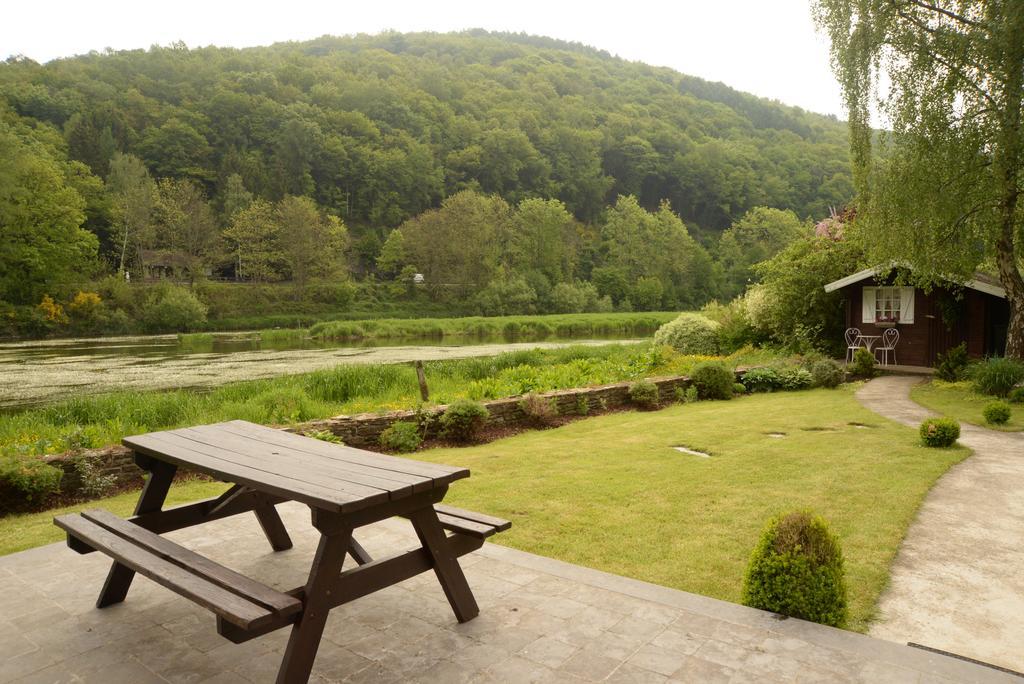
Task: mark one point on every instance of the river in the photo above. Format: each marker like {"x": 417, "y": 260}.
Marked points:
{"x": 51, "y": 370}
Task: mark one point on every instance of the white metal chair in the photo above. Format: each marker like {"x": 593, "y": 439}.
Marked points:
{"x": 890, "y": 338}
{"x": 852, "y": 343}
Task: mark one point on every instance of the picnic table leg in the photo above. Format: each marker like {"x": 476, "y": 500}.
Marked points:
{"x": 305, "y": 636}
{"x": 273, "y": 527}
{"x": 446, "y": 564}
{"x": 356, "y": 550}
{"x": 119, "y": 578}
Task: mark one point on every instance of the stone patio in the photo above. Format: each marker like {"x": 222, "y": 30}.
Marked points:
{"x": 541, "y": 620}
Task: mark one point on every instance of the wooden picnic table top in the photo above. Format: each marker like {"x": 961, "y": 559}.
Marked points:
{"x": 321, "y": 474}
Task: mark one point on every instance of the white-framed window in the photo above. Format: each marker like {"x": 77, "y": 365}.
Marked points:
{"x": 888, "y": 304}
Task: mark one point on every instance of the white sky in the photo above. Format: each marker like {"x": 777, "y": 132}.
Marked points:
{"x": 766, "y": 47}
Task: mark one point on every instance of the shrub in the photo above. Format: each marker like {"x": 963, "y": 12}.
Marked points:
{"x": 712, "y": 380}
{"x": 736, "y": 330}
{"x": 325, "y": 436}
{"x": 765, "y": 379}
{"x": 644, "y": 393}
{"x": 797, "y": 570}
{"x": 863, "y": 365}
{"x": 690, "y": 334}
{"x": 173, "y": 309}
{"x": 402, "y": 436}
{"x": 997, "y": 412}
{"x": 539, "y": 410}
{"x": 997, "y": 376}
{"x": 28, "y": 480}
{"x": 463, "y": 419}
{"x": 824, "y": 372}
{"x": 939, "y": 432}
{"x": 1016, "y": 395}
{"x": 952, "y": 365}
{"x": 582, "y": 405}
{"x": 739, "y": 388}
{"x": 795, "y": 378}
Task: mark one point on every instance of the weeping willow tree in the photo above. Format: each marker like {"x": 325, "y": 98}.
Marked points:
{"x": 942, "y": 188}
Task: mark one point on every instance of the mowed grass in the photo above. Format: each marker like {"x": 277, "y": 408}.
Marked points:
{"x": 958, "y": 400}
{"x": 28, "y": 530}
{"x": 611, "y": 493}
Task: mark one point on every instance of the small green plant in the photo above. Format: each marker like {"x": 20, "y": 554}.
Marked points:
{"x": 325, "y": 436}
{"x": 939, "y": 432}
{"x": 763, "y": 379}
{"x": 463, "y": 419}
{"x": 644, "y": 394}
{"x": 794, "y": 378}
{"x": 539, "y": 410}
{"x": 582, "y": 405}
{"x": 997, "y": 376}
{"x": 93, "y": 483}
{"x": 1016, "y": 395}
{"x": 952, "y": 365}
{"x": 863, "y": 365}
{"x": 28, "y": 480}
{"x": 739, "y": 388}
{"x": 713, "y": 380}
{"x": 997, "y": 413}
{"x": 797, "y": 570}
{"x": 402, "y": 436}
{"x": 602, "y": 403}
{"x": 690, "y": 395}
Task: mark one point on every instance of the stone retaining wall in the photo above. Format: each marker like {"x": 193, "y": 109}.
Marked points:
{"x": 116, "y": 464}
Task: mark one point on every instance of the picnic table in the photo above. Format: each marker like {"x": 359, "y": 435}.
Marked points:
{"x": 345, "y": 489}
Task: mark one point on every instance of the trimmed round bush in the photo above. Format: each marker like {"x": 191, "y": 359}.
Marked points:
{"x": 463, "y": 419}
{"x": 690, "y": 334}
{"x": 825, "y": 373}
{"x": 739, "y": 388}
{"x": 797, "y": 570}
{"x": 644, "y": 393}
{"x": 863, "y": 365}
{"x": 1016, "y": 395}
{"x": 997, "y": 412}
{"x": 939, "y": 432}
{"x": 713, "y": 380}
{"x": 997, "y": 376}
{"x": 173, "y": 309}
{"x": 402, "y": 436}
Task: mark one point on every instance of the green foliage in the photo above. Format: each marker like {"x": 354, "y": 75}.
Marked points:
{"x": 26, "y": 480}
{"x": 1016, "y": 395}
{"x": 996, "y": 412}
{"x": 997, "y": 376}
{"x": 824, "y": 372}
{"x": 739, "y": 388}
{"x": 797, "y": 570}
{"x": 939, "y": 432}
{"x": 952, "y": 366}
{"x": 690, "y": 334}
{"x": 758, "y": 235}
{"x": 735, "y": 329}
{"x": 463, "y": 419}
{"x": 401, "y": 436}
{"x": 173, "y": 308}
{"x": 790, "y": 377}
{"x": 713, "y": 380}
{"x": 325, "y": 436}
{"x": 863, "y": 365}
{"x": 644, "y": 394}
{"x": 540, "y": 411}
{"x": 762, "y": 379}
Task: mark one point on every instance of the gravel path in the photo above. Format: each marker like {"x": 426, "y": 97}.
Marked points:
{"x": 958, "y": 580}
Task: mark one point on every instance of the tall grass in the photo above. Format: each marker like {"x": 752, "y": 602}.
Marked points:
{"x": 533, "y": 327}
{"x": 99, "y": 420}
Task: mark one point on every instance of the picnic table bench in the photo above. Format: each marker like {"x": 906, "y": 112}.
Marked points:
{"x": 345, "y": 489}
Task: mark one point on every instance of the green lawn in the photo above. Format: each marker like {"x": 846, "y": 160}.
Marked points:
{"x": 958, "y": 400}
{"x": 609, "y": 492}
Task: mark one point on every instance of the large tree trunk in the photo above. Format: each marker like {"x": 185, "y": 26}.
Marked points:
{"x": 1009, "y": 276}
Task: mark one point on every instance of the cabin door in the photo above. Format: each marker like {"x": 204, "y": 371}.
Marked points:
{"x": 947, "y": 324}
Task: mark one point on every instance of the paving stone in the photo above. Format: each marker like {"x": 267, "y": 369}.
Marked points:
{"x": 590, "y": 665}
{"x": 516, "y": 670}
{"x": 657, "y": 659}
{"x": 630, "y": 674}
{"x": 548, "y": 651}
{"x": 696, "y": 669}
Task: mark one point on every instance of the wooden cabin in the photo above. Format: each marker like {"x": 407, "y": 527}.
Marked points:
{"x": 929, "y": 323}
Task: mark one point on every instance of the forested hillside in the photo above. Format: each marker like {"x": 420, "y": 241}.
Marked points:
{"x": 295, "y": 162}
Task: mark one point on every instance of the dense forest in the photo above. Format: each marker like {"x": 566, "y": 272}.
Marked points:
{"x": 515, "y": 173}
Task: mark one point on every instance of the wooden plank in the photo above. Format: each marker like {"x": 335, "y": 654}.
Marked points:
{"x": 499, "y": 524}
{"x": 216, "y": 573}
{"x": 435, "y": 471}
{"x": 158, "y": 445}
{"x": 222, "y": 602}
{"x": 289, "y": 462}
{"x": 279, "y": 468}
{"x": 463, "y": 526}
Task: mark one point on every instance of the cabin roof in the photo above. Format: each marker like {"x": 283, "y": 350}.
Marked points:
{"x": 982, "y": 282}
